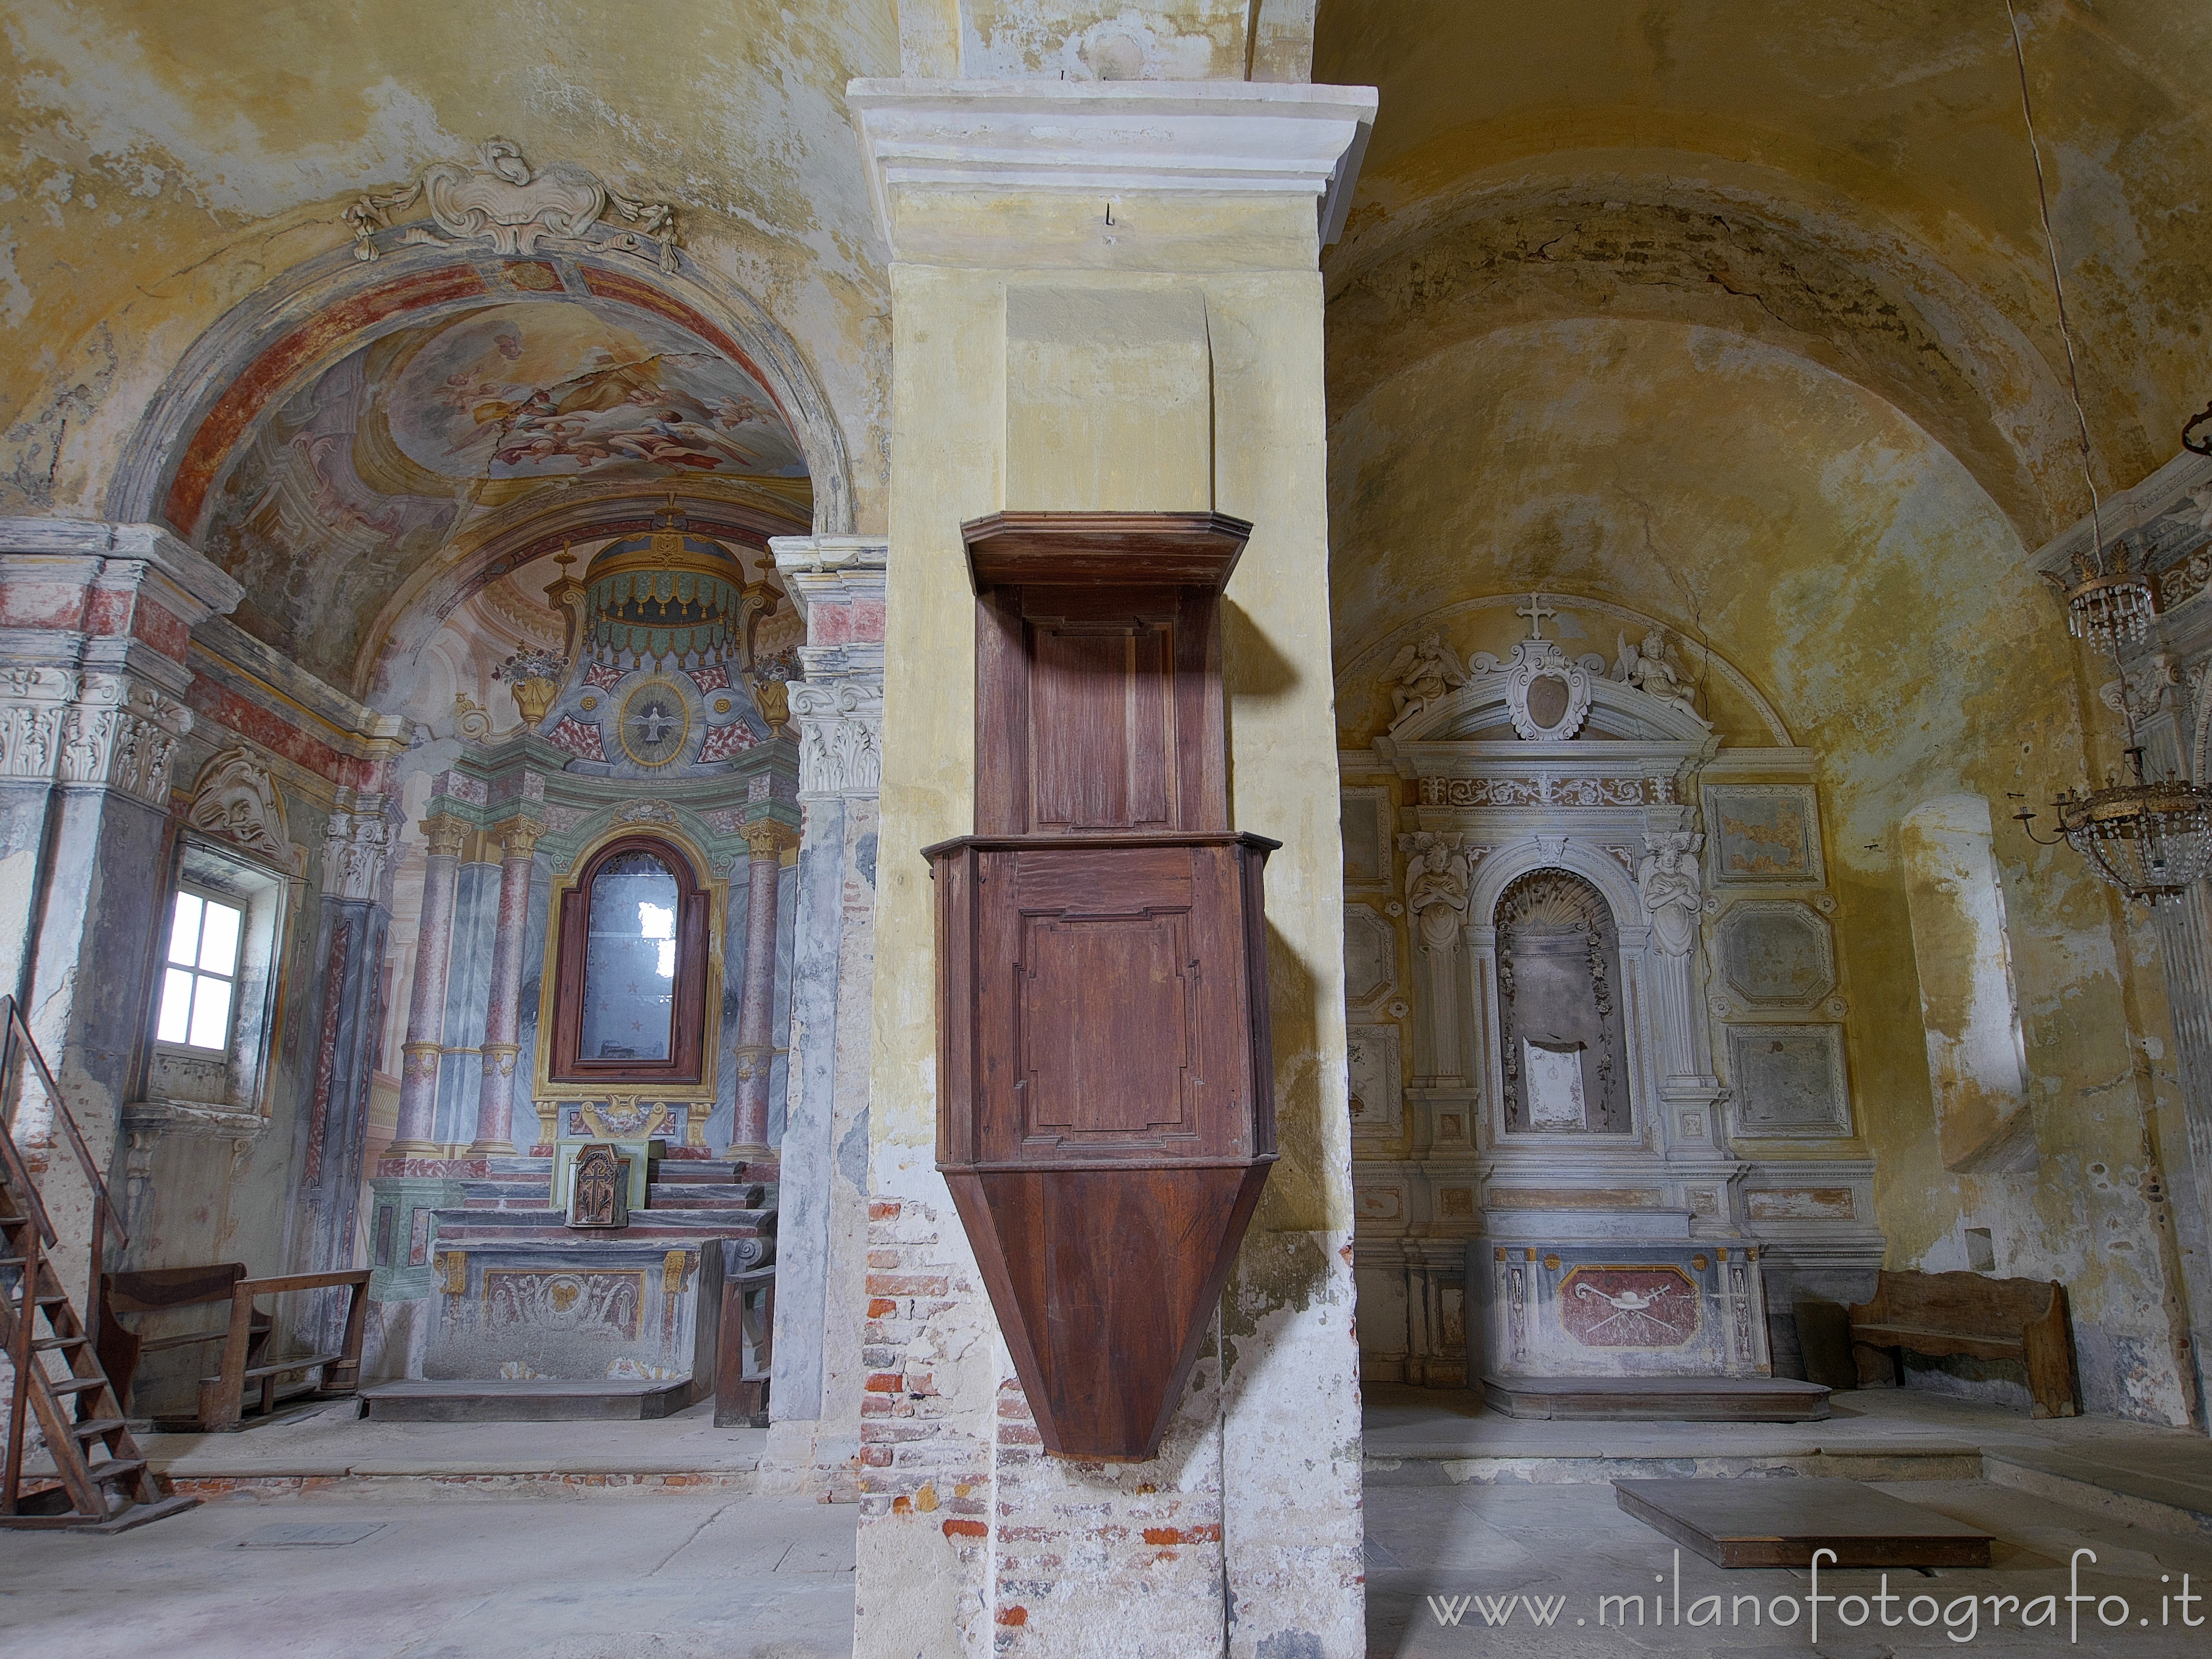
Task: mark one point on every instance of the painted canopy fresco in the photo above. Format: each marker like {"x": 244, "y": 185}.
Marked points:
{"x": 364, "y": 474}
{"x": 549, "y": 390}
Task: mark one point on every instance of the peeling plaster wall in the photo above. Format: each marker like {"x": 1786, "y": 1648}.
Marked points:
{"x": 1867, "y": 587}
{"x": 1890, "y": 133}
{"x": 159, "y": 163}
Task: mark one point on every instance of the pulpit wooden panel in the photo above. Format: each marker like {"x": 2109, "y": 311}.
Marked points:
{"x": 1106, "y": 1115}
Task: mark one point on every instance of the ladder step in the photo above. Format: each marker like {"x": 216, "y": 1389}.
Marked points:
{"x": 114, "y": 1469}
{"x": 77, "y": 1384}
{"x": 45, "y": 1344}
{"x": 98, "y": 1426}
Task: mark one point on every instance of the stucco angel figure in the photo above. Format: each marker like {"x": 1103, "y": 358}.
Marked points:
{"x": 1438, "y": 877}
{"x": 1421, "y": 675}
{"x": 1646, "y": 668}
{"x": 1668, "y": 877}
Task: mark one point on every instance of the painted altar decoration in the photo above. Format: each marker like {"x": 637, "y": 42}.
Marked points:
{"x": 1610, "y": 1307}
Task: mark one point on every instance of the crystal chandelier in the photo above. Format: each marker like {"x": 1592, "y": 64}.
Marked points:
{"x": 2109, "y": 602}
{"x": 2151, "y": 838}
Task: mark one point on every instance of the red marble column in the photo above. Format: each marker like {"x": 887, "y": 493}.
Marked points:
{"x": 426, "y": 1008}
{"x": 503, "y": 1015}
{"x": 756, "y": 1050}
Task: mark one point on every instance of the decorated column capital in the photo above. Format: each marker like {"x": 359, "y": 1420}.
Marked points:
{"x": 518, "y": 838}
{"x": 768, "y": 839}
{"x": 445, "y": 833}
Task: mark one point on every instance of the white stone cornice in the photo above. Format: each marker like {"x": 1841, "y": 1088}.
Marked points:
{"x": 197, "y": 589}
{"x": 1222, "y": 138}
{"x": 2154, "y": 497}
{"x": 830, "y": 567}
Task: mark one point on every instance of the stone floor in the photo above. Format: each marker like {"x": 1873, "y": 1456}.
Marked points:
{"x": 1462, "y": 1504}
{"x": 616, "y": 1576}
{"x": 648, "y": 1540}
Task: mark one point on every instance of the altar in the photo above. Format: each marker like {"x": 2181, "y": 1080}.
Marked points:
{"x": 1601, "y": 1107}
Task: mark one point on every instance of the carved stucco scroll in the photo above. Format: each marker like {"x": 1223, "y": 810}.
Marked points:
{"x": 514, "y": 206}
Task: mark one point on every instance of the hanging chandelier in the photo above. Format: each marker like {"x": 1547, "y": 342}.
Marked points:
{"x": 2109, "y": 602}
{"x": 2149, "y": 837}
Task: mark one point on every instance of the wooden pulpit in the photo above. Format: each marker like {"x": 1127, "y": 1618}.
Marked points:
{"x": 1106, "y": 1104}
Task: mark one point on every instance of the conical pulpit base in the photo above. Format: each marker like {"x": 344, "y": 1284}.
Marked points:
{"x": 1105, "y": 1283}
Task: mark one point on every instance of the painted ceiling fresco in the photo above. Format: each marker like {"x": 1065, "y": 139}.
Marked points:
{"x": 366, "y": 472}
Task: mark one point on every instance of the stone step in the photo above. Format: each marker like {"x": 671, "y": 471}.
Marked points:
{"x": 703, "y": 1195}
{"x": 538, "y": 1400}
{"x": 1659, "y": 1398}
{"x": 481, "y": 1226}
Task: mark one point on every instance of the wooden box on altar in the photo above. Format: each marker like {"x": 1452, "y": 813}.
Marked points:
{"x": 1106, "y": 1114}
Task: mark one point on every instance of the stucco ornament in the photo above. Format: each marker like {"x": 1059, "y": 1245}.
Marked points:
{"x": 514, "y": 206}
{"x": 1421, "y": 675}
{"x": 236, "y": 798}
{"x": 1647, "y": 668}
{"x": 1439, "y": 873}
{"x": 1667, "y": 877}
{"x": 1547, "y": 693}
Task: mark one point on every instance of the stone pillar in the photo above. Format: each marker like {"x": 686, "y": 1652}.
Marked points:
{"x": 756, "y": 1052}
{"x": 821, "y": 1241}
{"x": 503, "y": 1012}
{"x": 426, "y": 1007}
{"x": 1105, "y": 297}
{"x": 95, "y": 631}
{"x": 358, "y": 844}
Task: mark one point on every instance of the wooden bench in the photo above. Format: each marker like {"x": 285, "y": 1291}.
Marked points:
{"x": 747, "y": 1345}
{"x": 243, "y": 1361}
{"x": 1977, "y": 1317}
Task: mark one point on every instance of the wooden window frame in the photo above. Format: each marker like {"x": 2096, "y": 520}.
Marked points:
{"x": 685, "y": 1065}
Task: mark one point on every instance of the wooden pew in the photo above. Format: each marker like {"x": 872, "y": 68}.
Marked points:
{"x": 243, "y": 1359}
{"x": 746, "y": 1349}
{"x": 1979, "y": 1317}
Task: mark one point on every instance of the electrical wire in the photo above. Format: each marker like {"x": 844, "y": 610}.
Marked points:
{"x": 2058, "y": 290}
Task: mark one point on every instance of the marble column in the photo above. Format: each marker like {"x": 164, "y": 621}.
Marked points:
{"x": 426, "y": 1008}
{"x": 756, "y": 1052}
{"x": 356, "y": 898}
{"x": 504, "y": 1012}
{"x": 821, "y": 1241}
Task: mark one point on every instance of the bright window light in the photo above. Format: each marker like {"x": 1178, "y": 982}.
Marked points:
{"x": 657, "y": 921}
{"x": 199, "y": 982}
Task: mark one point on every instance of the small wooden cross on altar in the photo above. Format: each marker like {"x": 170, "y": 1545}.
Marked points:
{"x": 1535, "y": 611}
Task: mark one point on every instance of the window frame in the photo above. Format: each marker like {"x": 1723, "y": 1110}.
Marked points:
{"x": 685, "y": 1067}
{"x": 174, "y": 1081}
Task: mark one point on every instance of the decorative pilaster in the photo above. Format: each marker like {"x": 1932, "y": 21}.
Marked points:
{"x": 503, "y": 1014}
{"x": 822, "y": 1242}
{"x": 95, "y": 633}
{"x": 756, "y": 1051}
{"x": 426, "y": 1008}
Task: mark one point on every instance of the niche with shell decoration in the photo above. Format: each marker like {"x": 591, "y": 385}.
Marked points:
{"x": 1565, "y": 1058}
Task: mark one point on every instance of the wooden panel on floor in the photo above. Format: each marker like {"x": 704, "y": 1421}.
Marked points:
{"x": 1748, "y": 1522}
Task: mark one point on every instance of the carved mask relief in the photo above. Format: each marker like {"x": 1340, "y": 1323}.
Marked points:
{"x": 1558, "y": 996}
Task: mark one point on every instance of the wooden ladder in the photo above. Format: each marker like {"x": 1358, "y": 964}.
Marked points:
{"x": 100, "y": 1481}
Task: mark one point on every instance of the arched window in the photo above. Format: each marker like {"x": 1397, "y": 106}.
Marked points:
{"x": 630, "y": 1005}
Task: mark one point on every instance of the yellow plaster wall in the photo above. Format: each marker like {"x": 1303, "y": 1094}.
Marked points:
{"x": 1853, "y": 571}
{"x": 1888, "y": 135}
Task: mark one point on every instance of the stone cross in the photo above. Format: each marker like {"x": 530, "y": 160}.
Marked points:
{"x": 1535, "y": 611}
